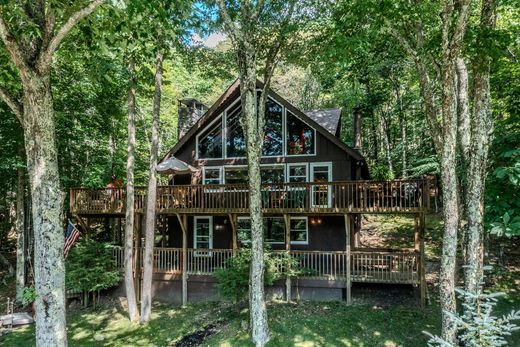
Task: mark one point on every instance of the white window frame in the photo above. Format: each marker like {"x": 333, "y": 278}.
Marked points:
{"x": 197, "y": 156}
{"x": 306, "y": 242}
{"x": 311, "y": 180}
{"x": 219, "y": 168}
{"x": 224, "y": 129}
{"x": 286, "y": 153}
{"x": 268, "y": 242}
{"x": 195, "y": 242}
{"x": 288, "y": 171}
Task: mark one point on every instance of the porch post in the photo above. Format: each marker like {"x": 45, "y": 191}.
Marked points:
{"x": 416, "y": 235}
{"x": 348, "y": 265}
{"x": 288, "y": 284}
{"x": 422, "y": 271}
{"x": 183, "y": 221}
{"x": 233, "y": 223}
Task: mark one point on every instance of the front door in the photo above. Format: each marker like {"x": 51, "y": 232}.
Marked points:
{"x": 203, "y": 233}
{"x": 321, "y": 194}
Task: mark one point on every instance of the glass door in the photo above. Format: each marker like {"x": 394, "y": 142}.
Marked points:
{"x": 321, "y": 194}
{"x": 203, "y": 234}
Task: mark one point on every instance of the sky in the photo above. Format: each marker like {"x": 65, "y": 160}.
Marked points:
{"x": 210, "y": 41}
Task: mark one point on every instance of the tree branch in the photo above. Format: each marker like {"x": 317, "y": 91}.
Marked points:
{"x": 228, "y": 22}
{"x": 14, "y": 105}
{"x": 12, "y": 47}
{"x": 55, "y": 42}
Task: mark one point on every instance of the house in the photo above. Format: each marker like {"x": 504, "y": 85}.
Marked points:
{"x": 314, "y": 190}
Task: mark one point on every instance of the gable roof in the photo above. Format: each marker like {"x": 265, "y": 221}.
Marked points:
{"x": 327, "y": 118}
{"x": 234, "y": 91}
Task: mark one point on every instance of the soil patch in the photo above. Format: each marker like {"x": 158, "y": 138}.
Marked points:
{"x": 198, "y": 337}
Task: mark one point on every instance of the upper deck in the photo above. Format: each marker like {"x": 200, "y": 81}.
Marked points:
{"x": 396, "y": 196}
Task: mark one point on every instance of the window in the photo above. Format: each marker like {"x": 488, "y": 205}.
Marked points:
{"x": 299, "y": 230}
{"x": 300, "y": 136}
{"x": 210, "y": 141}
{"x": 234, "y": 175}
{"x": 272, "y": 174}
{"x": 235, "y": 139}
{"x": 273, "y": 129}
{"x": 211, "y": 175}
{"x": 274, "y": 229}
{"x": 296, "y": 172}
{"x": 203, "y": 232}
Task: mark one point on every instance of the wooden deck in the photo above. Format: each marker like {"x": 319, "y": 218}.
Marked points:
{"x": 404, "y": 196}
{"x": 396, "y": 267}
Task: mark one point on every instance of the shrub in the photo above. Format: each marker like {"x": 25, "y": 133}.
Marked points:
{"x": 233, "y": 279}
{"x": 90, "y": 267}
{"x": 28, "y": 296}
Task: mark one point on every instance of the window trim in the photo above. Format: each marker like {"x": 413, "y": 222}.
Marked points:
{"x": 195, "y": 219}
{"x": 306, "y": 218}
{"x": 306, "y": 242}
{"x": 288, "y": 170}
{"x": 330, "y": 178}
{"x": 219, "y": 168}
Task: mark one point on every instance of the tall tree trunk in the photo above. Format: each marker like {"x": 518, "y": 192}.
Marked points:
{"x": 129, "y": 216}
{"x": 20, "y": 234}
{"x": 402, "y": 127}
{"x": 481, "y": 130}
{"x": 47, "y": 207}
{"x": 146, "y": 296}
{"x": 386, "y": 142}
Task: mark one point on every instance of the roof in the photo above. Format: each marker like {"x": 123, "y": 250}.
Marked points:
{"x": 327, "y": 118}
{"x": 234, "y": 91}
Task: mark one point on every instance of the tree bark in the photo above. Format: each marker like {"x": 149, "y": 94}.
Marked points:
{"x": 481, "y": 131}
{"x": 20, "y": 234}
{"x": 146, "y": 296}
{"x": 47, "y": 207}
{"x": 129, "y": 216}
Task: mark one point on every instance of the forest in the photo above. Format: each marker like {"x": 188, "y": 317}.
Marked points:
{"x": 90, "y": 94}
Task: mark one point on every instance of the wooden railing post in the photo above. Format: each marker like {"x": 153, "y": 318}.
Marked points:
{"x": 349, "y": 279}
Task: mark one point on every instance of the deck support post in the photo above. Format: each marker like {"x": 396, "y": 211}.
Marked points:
{"x": 422, "y": 270}
{"x": 348, "y": 224}
{"x": 233, "y": 222}
{"x": 183, "y": 221}
{"x": 288, "y": 282}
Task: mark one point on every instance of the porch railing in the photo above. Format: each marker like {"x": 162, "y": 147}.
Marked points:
{"x": 366, "y": 266}
{"x": 350, "y": 196}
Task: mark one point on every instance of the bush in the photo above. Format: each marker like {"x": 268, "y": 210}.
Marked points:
{"x": 233, "y": 279}
{"x": 90, "y": 267}
{"x": 28, "y": 296}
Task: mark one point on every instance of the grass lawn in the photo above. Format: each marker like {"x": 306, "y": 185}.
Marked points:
{"x": 304, "y": 324}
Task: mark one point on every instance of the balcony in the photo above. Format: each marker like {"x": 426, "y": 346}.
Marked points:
{"x": 404, "y": 196}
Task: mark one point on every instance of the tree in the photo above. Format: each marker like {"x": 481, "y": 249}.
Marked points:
{"x": 258, "y": 31}
{"x": 30, "y": 36}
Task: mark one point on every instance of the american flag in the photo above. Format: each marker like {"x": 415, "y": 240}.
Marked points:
{"x": 72, "y": 236}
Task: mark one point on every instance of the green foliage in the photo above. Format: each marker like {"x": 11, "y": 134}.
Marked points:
{"x": 233, "y": 279}
{"x": 478, "y": 327}
{"x": 90, "y": 267}
{"x": 28, "y": 296}
{"x": 381, "y": 172}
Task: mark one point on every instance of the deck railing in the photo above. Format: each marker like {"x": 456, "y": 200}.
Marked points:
{"x": 351, "y": 196}
{"x": 366, "y": 266}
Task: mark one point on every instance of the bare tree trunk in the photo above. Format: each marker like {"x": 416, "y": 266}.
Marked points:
{"x": 47, "y": 207}
{"x": 7, "y": 264}
{"x": 146, "y": 296}
{"x": 481, "y": 130}
{"x": 129, "y": 216}
{"x": 20, "y": 234}
{"x": 386, "y": 142}
{"x": 402, "y": 126}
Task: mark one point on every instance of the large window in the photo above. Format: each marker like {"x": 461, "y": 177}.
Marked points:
{"x": 274, "y": 230}
{"x": 210, "y": 141}
{"x": 203, "y": 232}
{"x": 235, "y": 139}
{"x": 296, "y": 172}
{"x": 300, "y": 136}
{"x": 321, "y": 194}
{"x": 273, "y": 129}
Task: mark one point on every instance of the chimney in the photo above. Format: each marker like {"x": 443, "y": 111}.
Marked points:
{"x": 357, "y": 127}
{"x": 190, "y": 110}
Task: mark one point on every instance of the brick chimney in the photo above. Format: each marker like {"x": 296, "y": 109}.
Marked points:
{"x": 190, "y": 110}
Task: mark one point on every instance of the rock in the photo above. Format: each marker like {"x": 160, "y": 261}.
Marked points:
{"x": 99, "y": 338}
